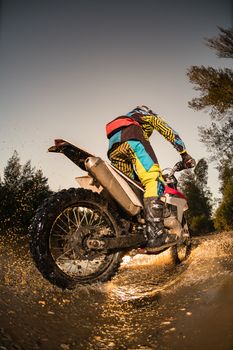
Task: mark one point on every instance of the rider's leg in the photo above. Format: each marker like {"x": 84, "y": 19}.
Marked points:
{"x": 123, "y": 158}
{"x": 133, "y": 154}
{"x": 157, "y": 235}
{"x": 150, "y": 175}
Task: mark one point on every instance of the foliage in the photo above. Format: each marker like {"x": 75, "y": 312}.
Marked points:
{"x": 223, "y": 44}
{"x": 22, "y": 190}
{"x": 216, "y": 96}
{"x": 224, "y": 213}
{"x": 216, "y": 90}
{"x": 194, "y": 185}
{"x": 219, "y": 142}
{"x": 198, "y": 224}
{"x": 215, "y": 85}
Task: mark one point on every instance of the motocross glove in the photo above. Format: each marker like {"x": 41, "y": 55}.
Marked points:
{"x": 188, "y": 161}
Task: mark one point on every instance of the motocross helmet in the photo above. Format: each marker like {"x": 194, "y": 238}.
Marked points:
{"x": 143, "y": 109}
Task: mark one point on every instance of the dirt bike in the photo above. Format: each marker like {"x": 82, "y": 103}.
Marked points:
{"x": 80, "y": 235}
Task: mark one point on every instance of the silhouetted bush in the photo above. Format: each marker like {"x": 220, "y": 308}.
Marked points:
{"x": 22, "y": 190}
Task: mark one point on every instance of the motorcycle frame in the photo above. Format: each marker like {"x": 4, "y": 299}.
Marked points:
{"x": 112, "y": 180}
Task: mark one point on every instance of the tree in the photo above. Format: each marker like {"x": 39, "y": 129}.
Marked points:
{"x": 219, "y": 142}
{"x": 216, "y": 88}
{"x": 215, "y": 85}
{"x": 216, "y": 96}
{"x": 223, "y": 44}
{"x": 194, "y": 185}
{"x": 12, "y": 171}
{"x": 9, "y": 188}
{"x": 224, "y": 214}
{"x": 22, "y": 190}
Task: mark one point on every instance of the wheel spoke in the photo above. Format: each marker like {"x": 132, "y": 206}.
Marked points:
{"x": 67, "y": 215}
{"x": 81, "y": 221}
{"x": 68, "y": 236}
{"x": 62, "y": 228}
{"x": 63, "y": 254}
{"x": 92, "y": 218}
{"x": 76, "y": 218}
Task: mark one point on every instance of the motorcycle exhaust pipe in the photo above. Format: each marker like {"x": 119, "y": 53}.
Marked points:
{"x": 116, "y": 185}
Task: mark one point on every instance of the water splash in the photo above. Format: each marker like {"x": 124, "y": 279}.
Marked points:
{"x": 147, "y": 302}
{"x": 141, "y": 276}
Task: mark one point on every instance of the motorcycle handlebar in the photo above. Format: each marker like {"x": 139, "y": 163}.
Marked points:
{"x": 181, "y": 166}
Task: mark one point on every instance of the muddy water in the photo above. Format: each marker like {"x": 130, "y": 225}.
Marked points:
{"x": 150, "y": 304}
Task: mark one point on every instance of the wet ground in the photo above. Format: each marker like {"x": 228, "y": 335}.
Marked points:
{"x": 150, "y": 304}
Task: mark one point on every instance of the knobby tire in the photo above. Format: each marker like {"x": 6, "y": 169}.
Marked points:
{"x": 41, "y": 227}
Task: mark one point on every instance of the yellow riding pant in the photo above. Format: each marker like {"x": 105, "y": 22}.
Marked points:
{"x": 131, "y": 157}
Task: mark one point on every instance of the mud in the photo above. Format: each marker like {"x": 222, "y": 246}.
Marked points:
{"x": 150, "y": 304}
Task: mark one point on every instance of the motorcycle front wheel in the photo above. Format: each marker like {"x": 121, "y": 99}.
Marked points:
{"x": 181, "y": 251}
{"x": 59, "y": 235}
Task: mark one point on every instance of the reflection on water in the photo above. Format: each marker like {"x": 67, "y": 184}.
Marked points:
{"x": 144, "y": 274}
{"x": 152, "y": 303}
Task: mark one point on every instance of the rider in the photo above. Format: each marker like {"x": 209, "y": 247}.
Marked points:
{"x": 130, "y": 151}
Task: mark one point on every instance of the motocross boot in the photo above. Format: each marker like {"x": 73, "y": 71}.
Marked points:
{"x": 158, "y": 236}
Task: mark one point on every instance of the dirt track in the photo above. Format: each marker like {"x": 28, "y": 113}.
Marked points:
{"x": 150, "y": 304}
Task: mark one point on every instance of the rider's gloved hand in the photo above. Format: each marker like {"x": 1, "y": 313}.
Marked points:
{"x": 188, "y": 161}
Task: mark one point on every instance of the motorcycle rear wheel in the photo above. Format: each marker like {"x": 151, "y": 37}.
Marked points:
{"x": 59, "y": 235}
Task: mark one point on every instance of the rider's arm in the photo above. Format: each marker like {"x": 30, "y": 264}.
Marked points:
{"x": 164, "y": 129}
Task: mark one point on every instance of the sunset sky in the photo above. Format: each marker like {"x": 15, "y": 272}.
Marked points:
{"x": 68, "y": 67}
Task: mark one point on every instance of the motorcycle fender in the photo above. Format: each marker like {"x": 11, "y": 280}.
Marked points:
{"x": 88, "y": 183}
